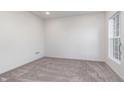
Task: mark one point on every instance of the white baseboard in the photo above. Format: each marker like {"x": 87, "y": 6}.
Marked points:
{"x": 19, "y": 65}
{"x": 121, "y": 76}
{"x": 69, "y": 58}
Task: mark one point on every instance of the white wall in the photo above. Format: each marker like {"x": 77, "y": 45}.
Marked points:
{"x": 21, "y": 35}
{"x": 80, "y": 37}
{"x": 118, "y": 68}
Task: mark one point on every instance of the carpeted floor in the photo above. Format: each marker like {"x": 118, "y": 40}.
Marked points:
{"x": 61, "y": 70}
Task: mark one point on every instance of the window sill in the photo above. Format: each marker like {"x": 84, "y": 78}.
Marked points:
{"x": 115, "y": 61}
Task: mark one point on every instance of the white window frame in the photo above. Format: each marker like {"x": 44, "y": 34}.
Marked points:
{"x": 115, "y": 49}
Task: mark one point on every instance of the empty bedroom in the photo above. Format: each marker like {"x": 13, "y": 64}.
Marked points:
{"x": 61, "y": 46}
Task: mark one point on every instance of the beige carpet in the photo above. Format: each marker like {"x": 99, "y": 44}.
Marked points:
{"x": 61, "y": 70}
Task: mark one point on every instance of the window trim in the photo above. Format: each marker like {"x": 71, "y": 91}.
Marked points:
{"x": 110, "y": 56}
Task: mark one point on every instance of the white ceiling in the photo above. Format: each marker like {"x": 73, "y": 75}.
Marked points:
{"x": 58, "y": 14}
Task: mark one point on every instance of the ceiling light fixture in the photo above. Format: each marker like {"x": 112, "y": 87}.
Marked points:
{"x": 47, "y": 13}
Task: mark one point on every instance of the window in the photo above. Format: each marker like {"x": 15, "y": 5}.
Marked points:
{"x": 114, "y": 38}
